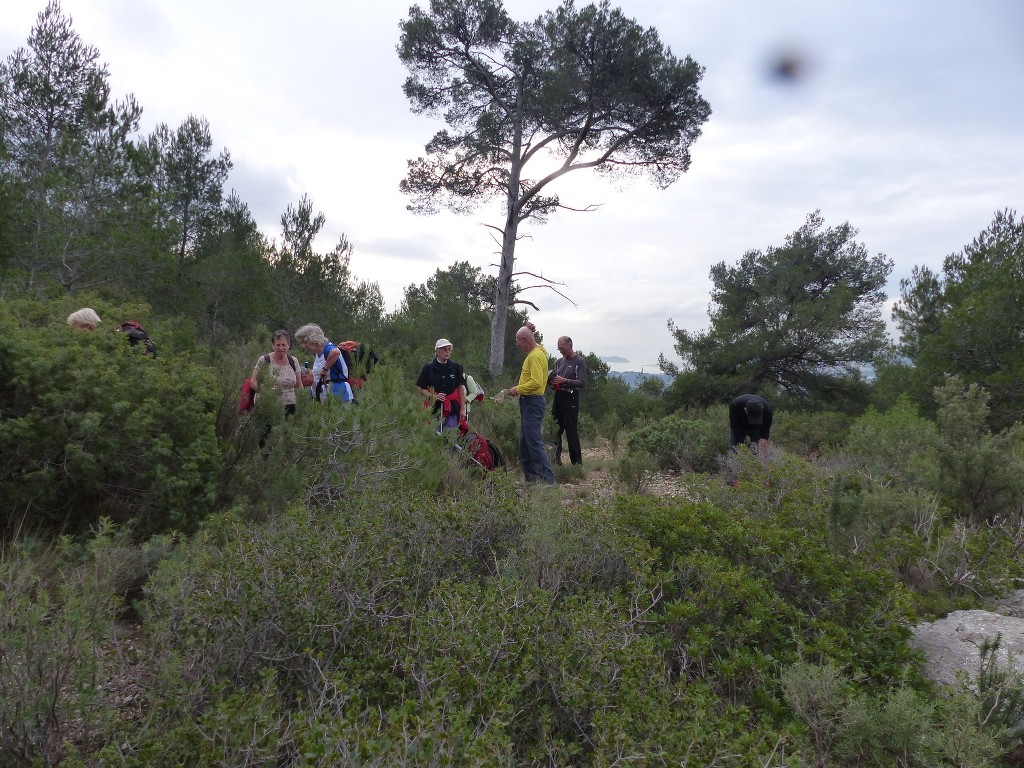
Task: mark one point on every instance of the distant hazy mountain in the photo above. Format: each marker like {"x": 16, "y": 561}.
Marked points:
{"x": 633, "y": 378}
{"x": 612, "y": 359}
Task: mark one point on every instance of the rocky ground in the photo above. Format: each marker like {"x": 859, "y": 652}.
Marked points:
{"x": 952, "y": 644}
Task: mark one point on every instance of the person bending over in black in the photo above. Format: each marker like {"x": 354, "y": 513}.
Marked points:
{"x": 750, "y": 416}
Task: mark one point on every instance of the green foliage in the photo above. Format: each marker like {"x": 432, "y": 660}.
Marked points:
{"x": 57, "y": 606}
{"x": 455, "y": 303}
{"x": 76, "y": 210}
{"x": 896, "y": 447}
{"x": 483, "y": 632}
{"x": 964, "y": 320}
{"x": 681, "y": 444}
{"x": 92, "y": 427}
{"x": 88, "y": 202}
{"x": 329, "y": 451}
{"x": 982, "y": 472}
{"x": 607, "y": 400}
{"x": 809, "y": 433}
{"x": 740, "y": 588}
{"x": 1000, "y": 689}
{"x": 804, "y": 317}
{"x": 634, "y": 470}
{"x": 902, "y": 727}
{"x": 935, "y": 504}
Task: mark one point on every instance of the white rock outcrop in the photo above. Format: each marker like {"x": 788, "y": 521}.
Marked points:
{"x": 952, "y": 644}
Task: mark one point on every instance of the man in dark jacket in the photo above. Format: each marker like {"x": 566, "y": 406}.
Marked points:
{"x": 443, "y": 381}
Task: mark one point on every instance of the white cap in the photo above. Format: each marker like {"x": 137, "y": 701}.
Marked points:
{"x": 443, "y": 343}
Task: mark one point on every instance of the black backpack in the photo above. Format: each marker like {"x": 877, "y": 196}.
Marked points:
{"x": 137, "y": 335}
{"x": 359, "y": 361}
{"x": 496, "y": 455}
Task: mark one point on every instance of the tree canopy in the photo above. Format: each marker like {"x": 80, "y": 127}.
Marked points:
{"x": 966, "y": 320}
{"x": 526, "y": 103}
{"x": 66, "y": 159}
{"x": 803, "y": 318}
{"x": 88, "y": 205}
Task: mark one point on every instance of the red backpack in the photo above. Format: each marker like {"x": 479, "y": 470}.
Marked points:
{"x": 247, "y": 397}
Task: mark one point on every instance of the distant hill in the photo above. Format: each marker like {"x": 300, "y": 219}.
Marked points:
{"x": 633, "y": 378}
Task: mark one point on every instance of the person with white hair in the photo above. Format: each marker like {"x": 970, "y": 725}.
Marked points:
{"x": 334, "y": 373}
{"x": 442, "y": 381}
{"x": 85, "y": 318}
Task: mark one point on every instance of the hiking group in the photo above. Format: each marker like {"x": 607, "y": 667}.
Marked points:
{"x": 340, "y": 370}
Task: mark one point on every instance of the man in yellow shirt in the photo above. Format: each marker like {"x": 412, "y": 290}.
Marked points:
{"x": 533, "y": 380}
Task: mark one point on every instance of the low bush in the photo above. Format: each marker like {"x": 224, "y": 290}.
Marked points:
{"x": 480, "y": 631}
{"x": 681, "y": 444}
{"x": 91, "y": 427}
{"x": 904, "y": 726}
{"x": 809, "y": 434}
{"x": 57, "y": 608}
{"x": 744, "y": 591}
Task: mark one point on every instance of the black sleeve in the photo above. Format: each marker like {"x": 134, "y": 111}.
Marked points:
{"x": 423, "y": 382}
{"x": 580, "y": 382}
{"x": 736, "y": 416}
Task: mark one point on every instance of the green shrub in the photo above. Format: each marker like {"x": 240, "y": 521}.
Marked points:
{"x": 864, "y": 512}
{"x": 587, "y": 428}
{"x": 903, "y": 727}
{"x": 681, "y": 444}
{"x": 56, "y": 610}
{"x": 982, "y": 473}
{"x": 487, "y": 630}
{"x": 92, "y": 428}
{"x": 635, "y": 470}
{"x": 744, "y": 588}
{"x": 811, "y": 433}
{"x": 896, "y": 447}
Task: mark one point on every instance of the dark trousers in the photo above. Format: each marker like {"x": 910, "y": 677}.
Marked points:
{"x": 566, "y": 412}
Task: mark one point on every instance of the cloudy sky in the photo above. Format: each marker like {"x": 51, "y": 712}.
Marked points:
{"x": 906, "y": 121}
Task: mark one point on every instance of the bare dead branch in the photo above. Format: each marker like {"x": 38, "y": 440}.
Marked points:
{"x": 527, "y": 303}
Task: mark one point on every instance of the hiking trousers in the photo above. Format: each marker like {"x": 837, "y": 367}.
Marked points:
{"x": 532, "y": 456}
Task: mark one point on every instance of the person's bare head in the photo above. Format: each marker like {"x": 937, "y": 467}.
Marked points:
{"x": 525, "y": 339}
{"x": 565, "y": 346}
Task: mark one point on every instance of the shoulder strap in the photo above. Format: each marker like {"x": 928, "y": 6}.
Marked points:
{"x": 293, "y": 362}
{"x": 336, "y": 367}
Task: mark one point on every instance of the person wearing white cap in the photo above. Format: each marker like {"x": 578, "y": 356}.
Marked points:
{"x": 443, "y": 382}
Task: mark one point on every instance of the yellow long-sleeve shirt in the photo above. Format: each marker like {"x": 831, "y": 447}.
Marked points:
{"x": 533, "y": 379}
